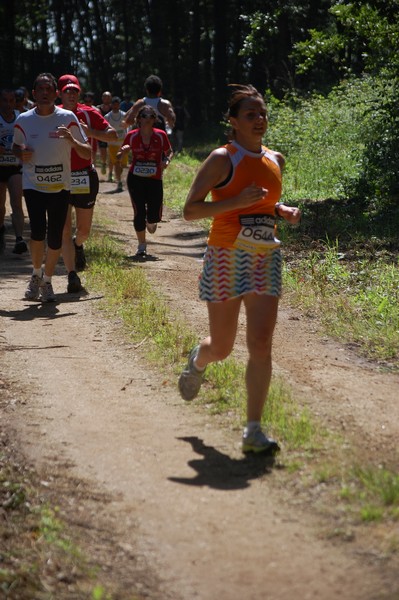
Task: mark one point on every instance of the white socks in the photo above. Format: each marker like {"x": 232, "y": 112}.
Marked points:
{"x": 251, "y": 426}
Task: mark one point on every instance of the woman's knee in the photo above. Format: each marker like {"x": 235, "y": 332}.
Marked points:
{"x": 220, "y": 351}
{"x": 260, "y": 348}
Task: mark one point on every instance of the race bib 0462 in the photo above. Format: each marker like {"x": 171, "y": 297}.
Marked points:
{"x": 49, "y": 178}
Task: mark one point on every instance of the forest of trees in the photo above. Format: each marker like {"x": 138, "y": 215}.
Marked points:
{"x": 291, "y": 50}
{"x": 198, "y": 46}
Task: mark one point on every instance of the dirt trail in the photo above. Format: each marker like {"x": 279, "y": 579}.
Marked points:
{"x": 159, "y": 482}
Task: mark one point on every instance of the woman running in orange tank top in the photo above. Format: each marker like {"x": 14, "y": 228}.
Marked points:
{"x": 242, "y": 262}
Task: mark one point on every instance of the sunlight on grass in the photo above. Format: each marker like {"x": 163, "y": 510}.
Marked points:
{"x": 177, "y": 181}
{"x": 359, "y": 305}
{"x": 318, "y": 137}
{"x": 373, "y": 492}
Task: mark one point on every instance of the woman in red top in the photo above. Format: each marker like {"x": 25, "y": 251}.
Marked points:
{"x": 242, "y": 263}
{"x": 151, "y": 154}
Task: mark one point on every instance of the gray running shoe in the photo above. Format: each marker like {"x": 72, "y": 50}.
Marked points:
{"x": 33, "y": 289}
{"x": 257, "y": 442}
{"x": 47, "y": 292}
{"x": 191, "y": 379}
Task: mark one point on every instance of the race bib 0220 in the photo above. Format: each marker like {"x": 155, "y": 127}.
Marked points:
{"x": 145, "y": 169}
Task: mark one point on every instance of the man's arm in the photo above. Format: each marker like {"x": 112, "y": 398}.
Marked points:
{"x": 103, "y": 135}
{"x": 131, "y": 114}
{"x": 166, "y": 110}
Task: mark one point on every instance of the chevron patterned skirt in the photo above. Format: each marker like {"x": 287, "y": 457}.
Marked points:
{"x": 229, "y": 272}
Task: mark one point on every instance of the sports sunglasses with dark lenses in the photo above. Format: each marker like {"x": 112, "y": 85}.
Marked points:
{"x": 147, "y": 116}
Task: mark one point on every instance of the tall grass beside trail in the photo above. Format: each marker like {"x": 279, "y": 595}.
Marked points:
{"x": 178, "y": 179}
{"x": 355, "y": 301}
{"x": 322, "y": 138}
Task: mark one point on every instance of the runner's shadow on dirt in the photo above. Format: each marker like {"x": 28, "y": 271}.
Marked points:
{"x": 220, "y": 471}
{"x": 112, "y": 192}
{"x": 191, "y": 235}
{"x": 47, "y": 310}
{"x": 143, "y": 259}
{"x": 195, "y": 250}
{"x": 72, "y": 297}
{"x": 35, "y": 311}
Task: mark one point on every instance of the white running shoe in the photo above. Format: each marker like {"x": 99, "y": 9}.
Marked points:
{"x": 33, "y": 289}
{"x": 191, "y": 379}
{"x": 47, "y": 292}
{"x": 256, "y": 441}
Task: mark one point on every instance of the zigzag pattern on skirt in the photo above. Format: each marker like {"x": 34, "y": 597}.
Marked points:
{"x": 230, "y": 272}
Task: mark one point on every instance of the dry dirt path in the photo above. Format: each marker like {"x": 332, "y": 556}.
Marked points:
{"x": 168, "y": 503}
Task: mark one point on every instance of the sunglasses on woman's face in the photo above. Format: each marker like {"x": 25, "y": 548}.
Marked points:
{"x": 147, "y": 116}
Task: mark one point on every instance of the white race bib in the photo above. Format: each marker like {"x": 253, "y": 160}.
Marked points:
{"x": 8, "y": 160}
{"x": 80, "y": 182}
{"x": 257, "y": 233}
{"x": 49, "y": 178}
{"x": 145, "y": 169}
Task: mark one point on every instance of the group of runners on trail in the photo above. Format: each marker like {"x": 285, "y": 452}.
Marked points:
{"x": 242, "y": 261}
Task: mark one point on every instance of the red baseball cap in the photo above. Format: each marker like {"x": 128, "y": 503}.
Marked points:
{"x": 67, "y": 82}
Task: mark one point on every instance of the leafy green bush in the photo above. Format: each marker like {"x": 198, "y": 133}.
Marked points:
{"x": 342, "y": 145}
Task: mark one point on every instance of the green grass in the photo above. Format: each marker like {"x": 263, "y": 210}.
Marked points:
{"x": 373, "y": 491}
{"x": 323, "y": 139}
{"x": 178, "y": 179}
{"x": 356, "y": 301}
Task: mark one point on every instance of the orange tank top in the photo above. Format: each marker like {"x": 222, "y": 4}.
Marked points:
{"x": 247, "y": 167}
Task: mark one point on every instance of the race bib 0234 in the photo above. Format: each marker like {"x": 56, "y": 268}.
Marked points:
{"x": 80, "y": 182}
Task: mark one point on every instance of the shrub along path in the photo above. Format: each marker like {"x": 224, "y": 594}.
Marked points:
{"x": 156, "y": 491}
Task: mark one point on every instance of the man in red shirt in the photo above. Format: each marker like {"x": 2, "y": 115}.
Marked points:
{"x": 84, "y": 184}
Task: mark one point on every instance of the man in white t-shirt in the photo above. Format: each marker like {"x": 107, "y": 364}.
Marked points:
{"x": 116, "y": 118}
{"x": 43, "y": 139}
